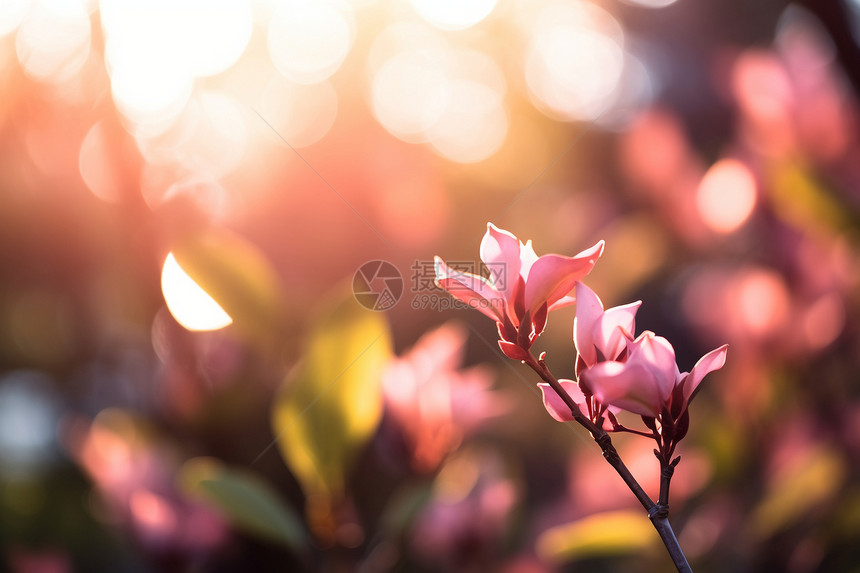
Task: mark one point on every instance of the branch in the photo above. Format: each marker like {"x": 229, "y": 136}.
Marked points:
{"x": 658, "y": 513}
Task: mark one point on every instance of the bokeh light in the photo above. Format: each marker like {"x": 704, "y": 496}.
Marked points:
{"x": 53, "y": 41}
{"x": 453, "y": 14}
{"x": 309, "y": 40}
{"x": 28, "y": 423}
{"x": 726, "y": 196}
{"x": 98, "y": 171}
{"x": 151, "y": 81}
{"x": 302, "y": 114}
{"x": 575, "y": 60}
{"x": 452, "y": 99}
{"x": 190, "y": 305}
{"x": 12, "y": 13}
{"x": 411, "y": 92}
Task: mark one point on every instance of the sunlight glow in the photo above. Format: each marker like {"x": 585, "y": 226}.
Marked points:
{"x": 453, "y": 14}
{"x": 301, "y": 114}
{"x": 726, "y": 196}
{"x": 472, "y": 129}
{"x": 211, "y": 135}
{"x": 53, "y": 41}
{"x": 151, "y": 80}
{"x": 12, "y": 13}
{"x": 100, "y": 174}
{"x": 575, "y": 61}
{"x": 308, "y": 40}
{"x": 190, "y": 305}
{"x": 450, "y": 98}
{"x": 411, "y": 92}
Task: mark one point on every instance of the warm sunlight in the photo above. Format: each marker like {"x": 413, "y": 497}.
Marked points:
{"x": 189, "y": 304}
{"x": 454, "y": 14}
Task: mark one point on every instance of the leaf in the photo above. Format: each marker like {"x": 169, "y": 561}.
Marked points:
{"x": 330, "y": 406}
{"x": 237, "y": 275}
{"x": 601, "y": 534}
{"x": 803, "y": 201}
{"x": 811, "y": 480}
{"x": 246, "y": 501}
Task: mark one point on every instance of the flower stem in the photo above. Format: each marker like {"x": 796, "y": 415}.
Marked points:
{"x": 658, "y": 513}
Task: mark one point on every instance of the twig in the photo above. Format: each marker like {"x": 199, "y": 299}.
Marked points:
{"x": 658, "y": 513}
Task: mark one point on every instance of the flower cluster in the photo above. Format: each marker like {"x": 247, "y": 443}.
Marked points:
{"x": 522, "y": 287}
{"x": 615, "y": 370}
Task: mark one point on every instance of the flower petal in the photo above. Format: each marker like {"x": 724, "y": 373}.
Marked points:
{"x": 500, "y": 251}
{"x": 657, "y": 355}
{"x": 552, "y": 277}
{"x": 713, "y": 360}
{"x": 589, "y": 311}
{"x": 556, "y": 406}
{"x": 613, "y": 329}
{"x": 631, "y": 387}
{"x": 528, "y": 257}
{"x": 474, "y": 290}
{"x": 564, "y": 301}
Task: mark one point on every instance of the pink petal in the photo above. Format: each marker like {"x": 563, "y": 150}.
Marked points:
{"x": 589, "y": 311}
{"x": 500, "y": 251}
{"x": 564, "y": 301}
{"x": 528, "y": 257}
{"x": 713, "y": 360}
{"x": 632, "y": 387}
{"x": 553, "y": 276}
{"x": 474, "y": 290}
{"x": 657, "y": 355}
{"x": 613, "y": 329}
{"x": 556, "y": 406}
{"x": 513, "y": 351}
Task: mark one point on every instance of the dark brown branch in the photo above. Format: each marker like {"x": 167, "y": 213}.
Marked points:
{"x": 658, "y": 513}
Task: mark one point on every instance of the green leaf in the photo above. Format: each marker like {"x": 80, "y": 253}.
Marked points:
{"x": 238, "y": 276}
{"x": 332, "y": 403}
{"x": 813, "y": 478}
{"x": 602, "y": 534}
{"x": 250, "y": 504}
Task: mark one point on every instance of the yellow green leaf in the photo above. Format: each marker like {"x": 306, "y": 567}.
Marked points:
{"x": 602, "y": 534}
{"x": 331, "y": 404}
{"x": 801, "y": 200}
{"x": 812, "y": 479}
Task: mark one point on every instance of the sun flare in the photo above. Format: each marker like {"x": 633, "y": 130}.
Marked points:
{"x": 190, "y": 305}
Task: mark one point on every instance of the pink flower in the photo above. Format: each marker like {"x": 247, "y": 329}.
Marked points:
{"x": 649, "y": 382}
{"x": 434, "y": 402}
{"x": 600, "y": 336}
{"x": 522, "y": 287}
{"x": 559, "y": 410}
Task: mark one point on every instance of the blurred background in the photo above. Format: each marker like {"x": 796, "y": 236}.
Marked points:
{"x": 189, "y": 190}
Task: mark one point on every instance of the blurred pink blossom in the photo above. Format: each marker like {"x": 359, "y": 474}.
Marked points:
{"x": 134, "y": 477}
{"x": 468, "y": 513}
{"x": 434, "y": 402}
